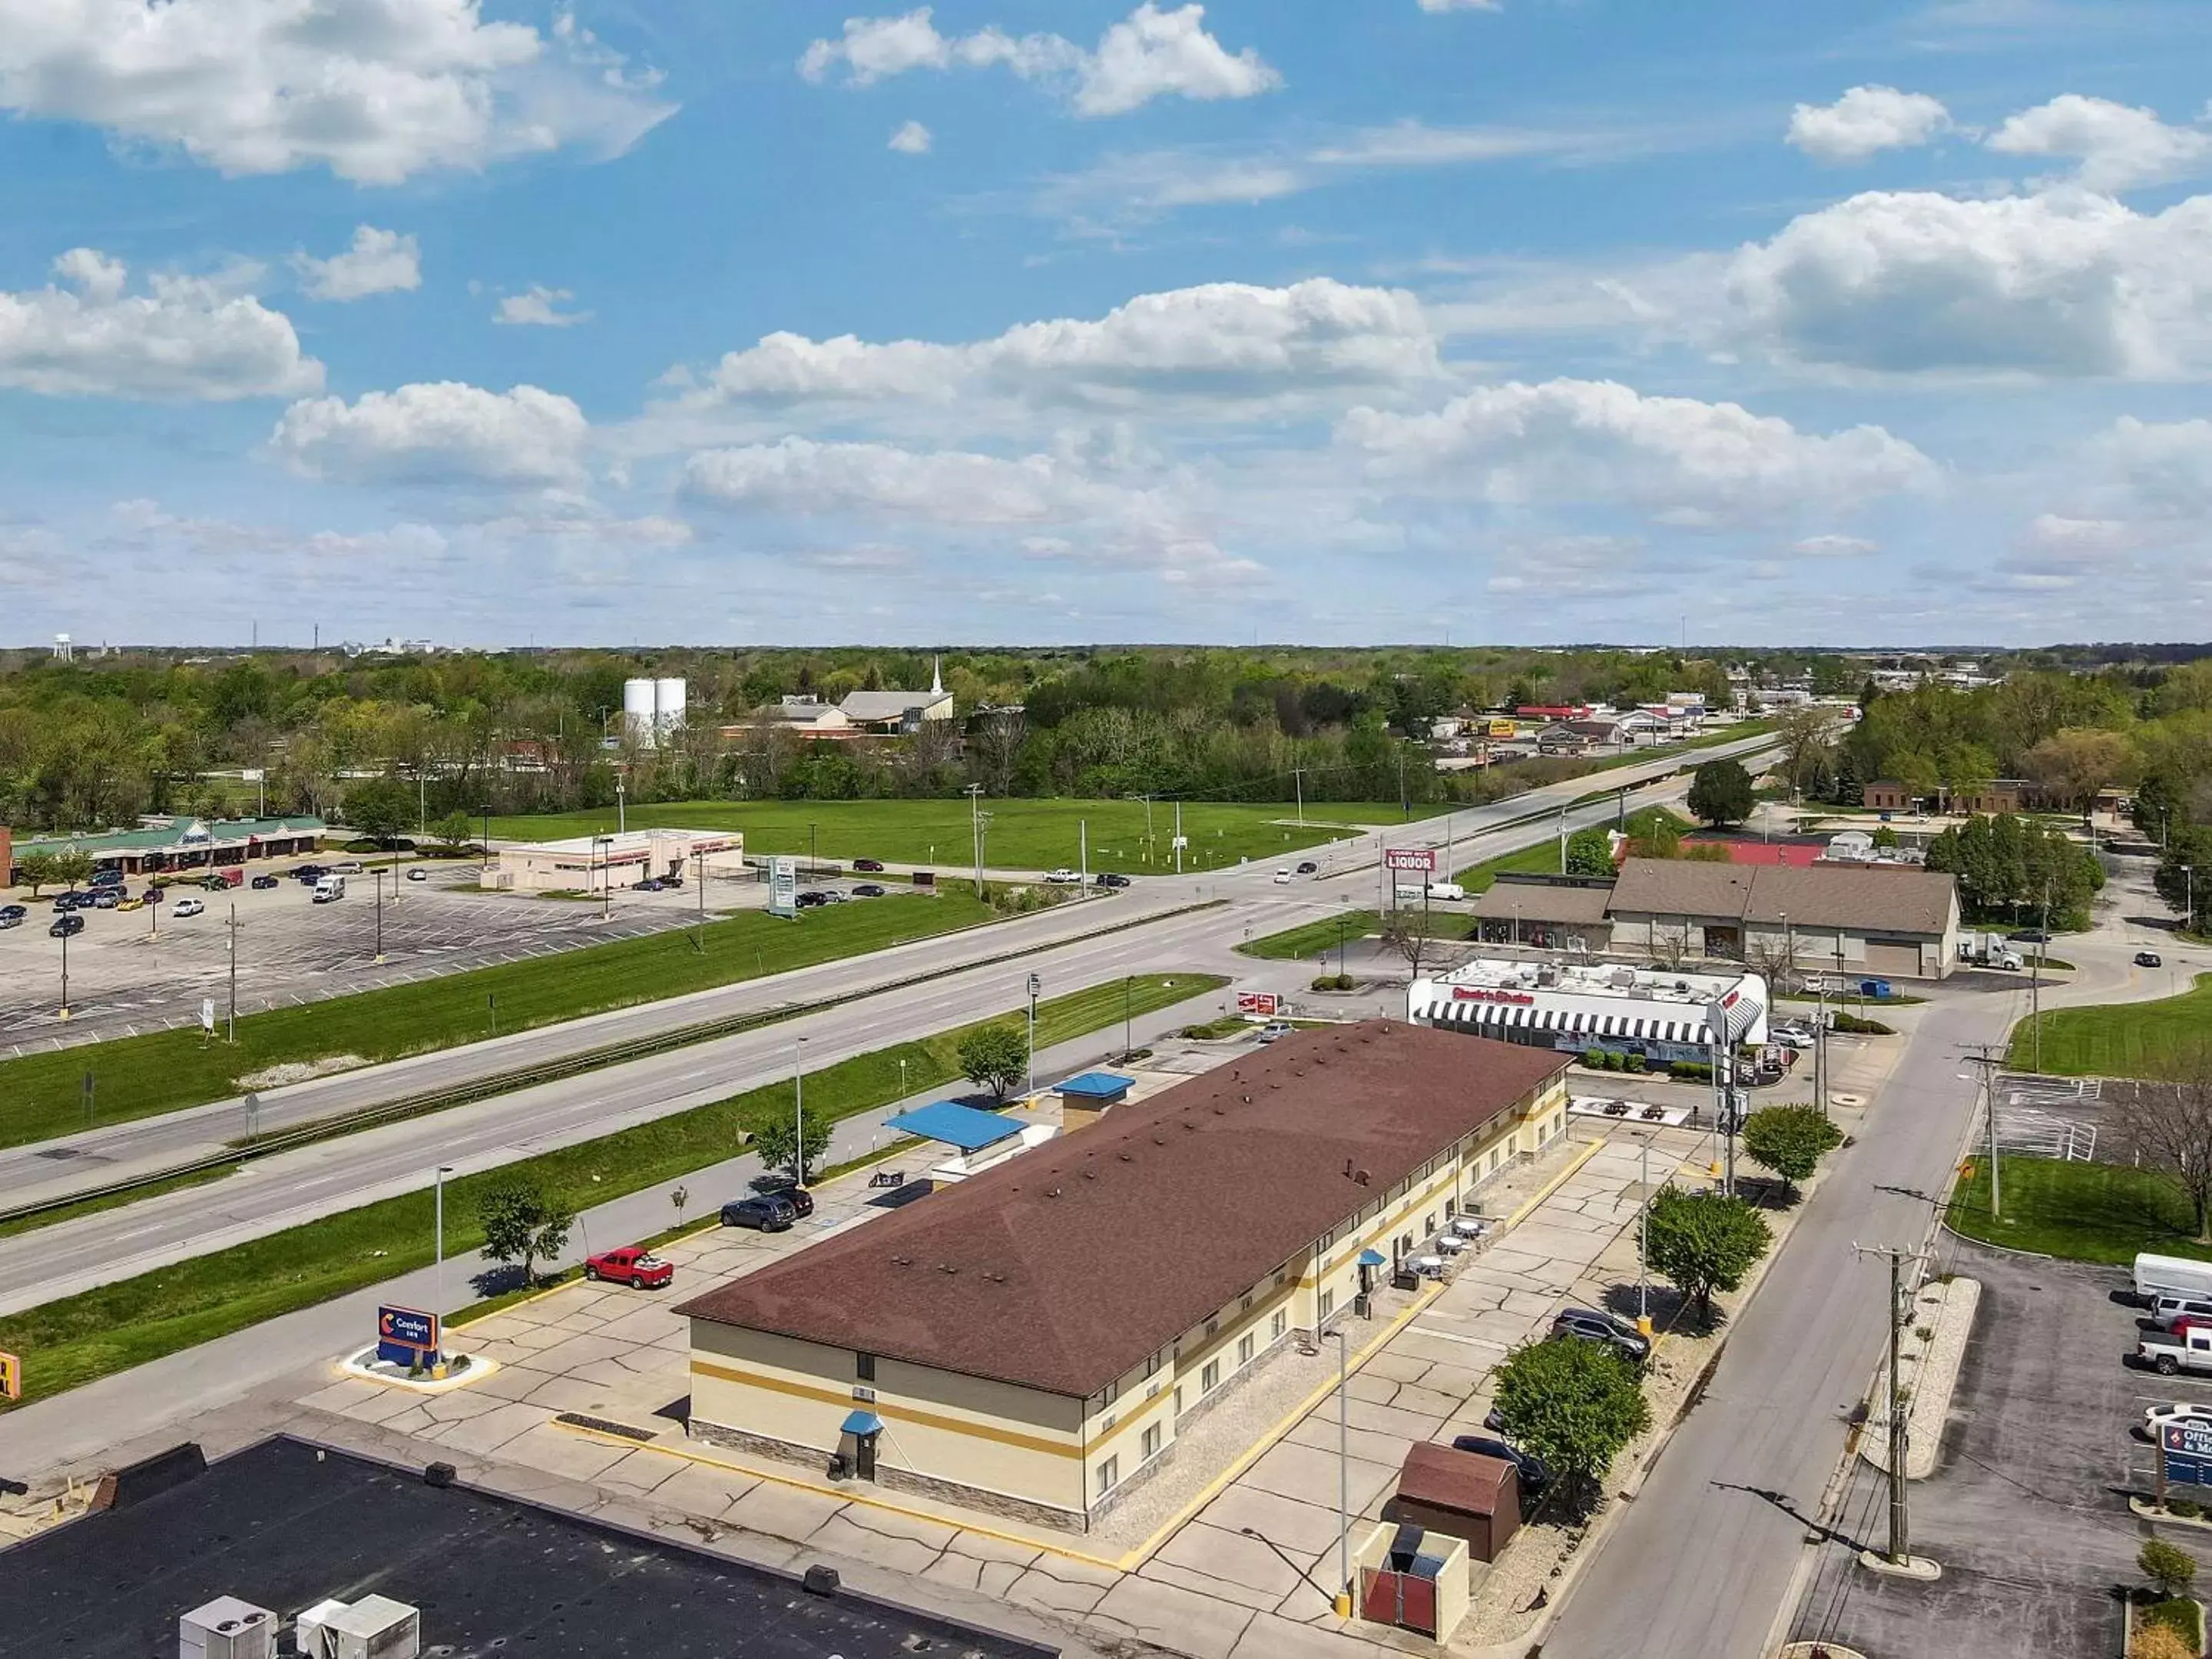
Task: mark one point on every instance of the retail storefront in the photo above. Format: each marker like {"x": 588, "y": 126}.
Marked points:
{"x": 1660, "y": 1016}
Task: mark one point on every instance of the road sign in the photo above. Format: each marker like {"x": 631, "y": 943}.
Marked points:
{"x": 783, "y": 887}
{"x": 1261, "y": 1003}
{"x": 406, "y": 1336}
{"x": 11, "y": 1377}
{"x": 1411, "y": 858}
{"x": 2185, "y": 1443}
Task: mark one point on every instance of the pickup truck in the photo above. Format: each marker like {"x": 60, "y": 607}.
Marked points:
{"x": 2187, "y": 1350}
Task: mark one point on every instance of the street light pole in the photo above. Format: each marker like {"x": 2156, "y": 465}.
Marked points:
{"x": 1035, "y": 985}
{"x": 1343, "y": 1475}
{"x": 378, "y": 876}
{"x": 444, "y": 1169}
{"x": 798, "y": 1109}
{"x": 1128, "y": 1042}
{"x": 233, "y": 1033}
{"x": 1643, "y": 1246}
{"x": 65, "y": 933}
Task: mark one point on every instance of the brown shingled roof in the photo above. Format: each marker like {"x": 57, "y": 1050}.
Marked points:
{"x": 1064, "y": 1267}
{"x": 1540, "y": 901}
{"x": 1879, "y": 898}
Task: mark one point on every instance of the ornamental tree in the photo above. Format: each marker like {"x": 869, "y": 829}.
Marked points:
{"x": 1703, "y": 1242}
{"x": 1574, "y": 1405}
{"x": 1790, "y": 1140}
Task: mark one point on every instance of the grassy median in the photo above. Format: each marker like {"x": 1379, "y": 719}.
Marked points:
{"x": 2105, "y": 1212}
{"x": 164, "y": 1071}
{"x": 69, "y": 1343}
{"x": 2119, "y": 1039}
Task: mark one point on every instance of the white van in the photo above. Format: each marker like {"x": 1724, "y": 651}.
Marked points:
{"x": 1450, "y": 891}
{"x": 2172, "y": 1275}
{"x": 329, "y": 889}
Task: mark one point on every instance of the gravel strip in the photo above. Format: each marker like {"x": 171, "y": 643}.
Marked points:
{"x": 1931, "y": 1365}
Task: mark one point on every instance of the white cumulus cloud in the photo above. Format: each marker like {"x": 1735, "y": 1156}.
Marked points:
{"x": 539, "y": 306}
{"x": 435, "y": 430}
{"x": 376, "y": 90}
{"x": 186, "y": 338}
{"x": 2118, "y": 148}
{"x": 2054, "y": 283}
{"x": 1149, "y": 54}
{"x": 911, "y": 139}
{"x": 1225, "y": 340}
{"x": 1865, "y": 121}
{"x": 1684, "y": 460}
{"x": 376, "y": 262}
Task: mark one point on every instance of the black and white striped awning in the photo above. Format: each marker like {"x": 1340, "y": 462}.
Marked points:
{"x": 1573, "y": 1022}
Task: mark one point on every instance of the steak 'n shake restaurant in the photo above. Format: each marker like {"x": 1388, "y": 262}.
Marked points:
{"x": 1659, "y": 1014}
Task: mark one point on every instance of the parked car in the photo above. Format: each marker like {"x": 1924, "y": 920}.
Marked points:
{"x": 834, "y": 896}
{"x": 106, "y": 899}
{"x": 871, "y": 865}
{"x": 1790, "y": 1036}
{"x": 1535, "y": 1473}
{"x": 1308, "y": 867}
{"x": 650, "y": 884}
{"x": 1588, "y": 1324}
{"x": 2189, "y": 1348}
{"x": 868, "y": 890}
{"x": 1283, "y": 877}
{"x": 69, "y": 899}
{"x": 8, "y": 920}
{"x": 810, "y": 898}
{"x": 2149, "y": 959}
{"x": 419, "y": 874}
{"x": 64, "y": 926}
{"x": 307, "y": 873}
{"x": 1276, "y": 1028}
{"x": 18, "y": 911}
{"x": 1107, "y": 878}
{"x": 132, "y": 904}
{"x": 2167, "y": 1311}
{"x": 2029, "y": 936}
{"x": 2157, "y": 1417}
{"x": 262, "y": 884}
{"x": 768, "y": 1212}
{"x": 190, "y": 907}
{"x": 791, "y": 1191}
{"x": 1062, "y": 877}
{"x": 631, "y": 1264}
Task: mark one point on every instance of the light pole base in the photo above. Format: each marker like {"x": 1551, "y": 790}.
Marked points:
{"x": 63, "y": 1014}
{"x": 1343, "y": 1604}
{"x": 1913, "y": 1566}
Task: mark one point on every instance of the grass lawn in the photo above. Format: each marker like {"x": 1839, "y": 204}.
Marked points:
{"x": 1543, "y": 858}
{"x": 2122, "y": 1039}
{"x": 67, "y": 1343}
{"x": 1313, "y": 939}
{"x": 163, "y": 1071}
{"x": 2103, "y": 1213}
{"x": 1023, "y": 833}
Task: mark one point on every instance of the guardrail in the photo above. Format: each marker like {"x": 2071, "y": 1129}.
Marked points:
{"x": 553, "y": 1071}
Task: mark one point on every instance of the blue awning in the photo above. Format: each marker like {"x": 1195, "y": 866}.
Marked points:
{"x": 956, "y": 1125}
{"x": 1105, "y": 1086}
{"x": 1373, "y": 1259}
{"x": 863, "y": 1423}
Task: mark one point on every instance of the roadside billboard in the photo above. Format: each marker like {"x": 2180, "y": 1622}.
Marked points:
{"x": 783, "y": 887}
{"x": 1423, "y": 859}
{"x": 1261, "y": 1004}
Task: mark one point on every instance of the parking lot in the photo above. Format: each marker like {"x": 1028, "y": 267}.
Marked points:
{"x": 130, "y": 971}
{"x": 2027, "y": 1509}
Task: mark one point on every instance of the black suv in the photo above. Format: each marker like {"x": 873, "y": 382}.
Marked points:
{"x": 768, "y": 1212}
{"x": 1586, "y": 1325}
{"x": 784, "y": 1188}
{"x": 1108, "y": 878}
{"x": 1534, "y": 1473}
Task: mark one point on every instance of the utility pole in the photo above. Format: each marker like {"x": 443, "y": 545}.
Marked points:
{"x": 234, "y": 976}
{"x": 1563, "y": 838}
{"x": 699, "y": 931}
{"x": 1298, "y": 781}
{"x": 1036, "y": 985}
{"x": 1128, "y": 1029}
{"x": 1900, "y": 1551}
{"x": 974, "y": 794}
{"x": 2035, "y": 991}
{"x": 1083, "y": 858}
{"x": 1643, "y": 1245}
{"x": 1985, "y": 1083}
{"x": 798, "y": 1109}
{"x": 376, "y": 876}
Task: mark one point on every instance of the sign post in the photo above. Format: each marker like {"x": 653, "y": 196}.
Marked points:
{"x": 1400, "y": 859}
{"x": 2184, "y": 1453}
{"x": 783, "y": 887}
{"x": 1259, "y": 1004}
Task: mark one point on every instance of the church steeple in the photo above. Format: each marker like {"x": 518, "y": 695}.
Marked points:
{"x": 936, "y": 679}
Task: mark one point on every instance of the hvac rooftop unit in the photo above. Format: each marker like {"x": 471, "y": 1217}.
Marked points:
{"x": 309, "y": 1634}
{"x": 376, "y": 1627}
{"x": 227, "y": 1628}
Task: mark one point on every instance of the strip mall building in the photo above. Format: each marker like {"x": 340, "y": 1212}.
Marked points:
{"x": 1661, "y": 1015}
{"x": 1035, "y": 1341}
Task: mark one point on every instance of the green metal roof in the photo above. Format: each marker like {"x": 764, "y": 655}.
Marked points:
{"x": 220, "y": 831}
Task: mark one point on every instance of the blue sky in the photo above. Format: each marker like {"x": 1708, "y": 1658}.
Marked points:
{"x": 998, "y": 321}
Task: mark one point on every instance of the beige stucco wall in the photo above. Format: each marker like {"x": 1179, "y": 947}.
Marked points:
{"x": 995, "y": 1436}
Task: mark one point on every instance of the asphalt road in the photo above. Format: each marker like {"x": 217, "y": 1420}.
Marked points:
{"x": 1703, "y": 1560}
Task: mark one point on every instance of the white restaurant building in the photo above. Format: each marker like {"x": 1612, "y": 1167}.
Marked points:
{"x": 1659, "y": 1013}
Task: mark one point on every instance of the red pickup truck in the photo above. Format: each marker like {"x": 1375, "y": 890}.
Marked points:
{"x": 633, "y": 1265}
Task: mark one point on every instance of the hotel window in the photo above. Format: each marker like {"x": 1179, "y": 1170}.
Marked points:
{"x": 1328, "y": 1304}
{"x": 1278, "y": 1325}
{"x": 1153, "y": 1366}
{"x": 1245, "y": 1306}
{"x": 1212, "y": 1325}
{"x": 864, "y": 1367}
{"x": 1243, "y": 1350}
{"x": 1210, "y": 1378}
{"x": 1150, "y": 1443}
{"x": 1429, "y": 1222}
{"x": 1107, "y": 1398}
{"x": 1109, "y": 1475}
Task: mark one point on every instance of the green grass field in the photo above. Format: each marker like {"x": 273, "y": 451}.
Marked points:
{"x": 2121, "y": 1039}
{"x": 1311, "y": 939}
{"x": 1023, "y": 833}
{"x": 1543, "y": 858}
{"x": 2103, "y": 1213}
{"x": 69, "y": 1343}
{"x": 163, "y": 1071}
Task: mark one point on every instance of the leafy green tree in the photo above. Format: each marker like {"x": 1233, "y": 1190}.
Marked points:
{"x": 1790, "y": 1140}
{"x": 2170, "y": 1569}
{"x": 1590, "y": 852}
{"x": 36, "y": 870}
{"x": 1703, "y": 1242}
{"x": 380, "y": 808}
{"x": 1721, "y": 793}
{"x": 1575, "y": 1405}
{"x": 1885, "y": 837}
{"x": 520, "y": 1224}
{"x": 995, "y": 1056}
{"x": 778, "y": 1141}
{"x": 452, "y": 832}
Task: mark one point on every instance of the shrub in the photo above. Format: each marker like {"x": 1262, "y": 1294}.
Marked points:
{"x": 2172, "y": 1570}
{"x": 1790, "y": 1140}
{"x": 1843, "y": 1022}
{"x": 2160, "y": 1642}
{"x": 2187, "y": 1508}
{"x": 1635, "y": 1063}
{"x": 1333, "y": 982}
{"x": 1595, "y": 1058}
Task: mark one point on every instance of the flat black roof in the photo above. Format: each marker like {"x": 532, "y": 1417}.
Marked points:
{"x": 277, "y": 1527}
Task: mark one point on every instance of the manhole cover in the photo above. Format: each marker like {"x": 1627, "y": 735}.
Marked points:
{"x": 1848, "y": 1100}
